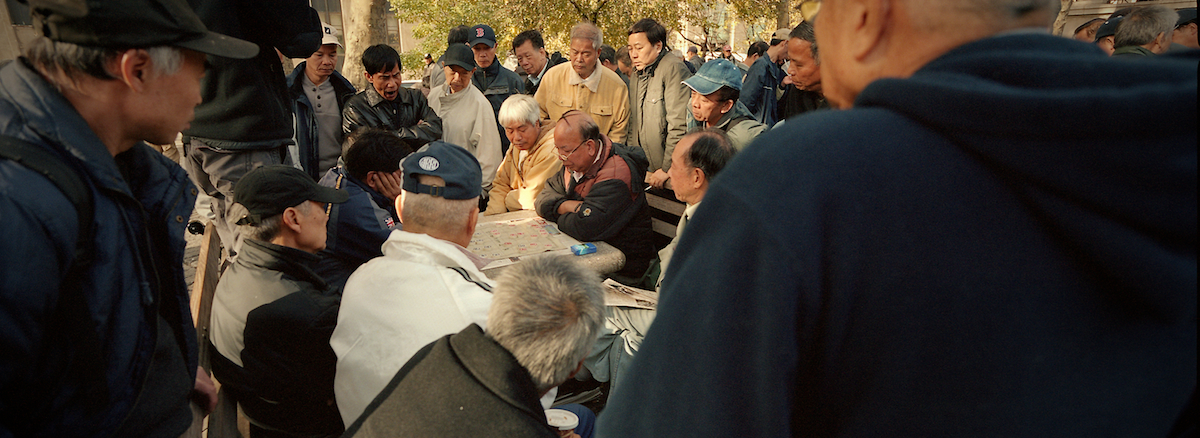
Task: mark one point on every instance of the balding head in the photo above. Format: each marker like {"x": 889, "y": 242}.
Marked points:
{"x": 864, "y": 40}
{"x": 452, "y": 220}
{"x": 578, "y": 140}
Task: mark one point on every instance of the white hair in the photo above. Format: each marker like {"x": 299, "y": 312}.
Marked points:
{"x": 62, "y": 62}
{"x": 547, "y": 312}
{"x": 588, "y": 31}
{"x": 437, "y": 213}
{"x": 519, "y": 108}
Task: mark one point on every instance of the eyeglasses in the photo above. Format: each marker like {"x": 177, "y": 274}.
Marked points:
{"x": 808, "y": 9}
{"x": 564, "y": 157}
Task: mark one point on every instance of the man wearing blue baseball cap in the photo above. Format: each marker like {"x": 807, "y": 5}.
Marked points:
{"x": 425, "y": 286}
{"x": 97, "y": 336}
{"x": 715, "y": 89}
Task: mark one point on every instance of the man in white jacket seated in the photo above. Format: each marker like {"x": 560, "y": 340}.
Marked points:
{"x": 467, "y": 117}
{"x": 425, "y": 286}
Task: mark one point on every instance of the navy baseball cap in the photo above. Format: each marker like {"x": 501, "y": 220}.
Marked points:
{"x": 455, "y": 165}
{"x": 1186, "y": 15}
{"x": 713, "y": 75}
{"x": 269, "y": 190}
{"x": 460, "y": 55}
{"x": 126, "y": 24}
{"x": 482, "y": 33}
{"x": 1109, "y": 28}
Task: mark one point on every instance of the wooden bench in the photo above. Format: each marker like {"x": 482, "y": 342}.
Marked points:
{"x": 668, "y": 207}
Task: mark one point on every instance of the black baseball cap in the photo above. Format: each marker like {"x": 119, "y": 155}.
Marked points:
{"x": 1186, "y": 15}
{"x": 124, "y": 24}
{"x": 460, "y": 55}
{"x": 269, "y": 190}
{"x": 1109, "y": 28}
{"x": 452, "y": 163}
{"x": 482, "y": 33}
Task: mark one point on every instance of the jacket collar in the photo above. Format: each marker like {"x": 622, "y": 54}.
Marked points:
{"x": 605, "y": 152}
{"x": 428, "y": 250}
{"x": 497, "y": 370}
{"x": 272, "y": 257}
{"x": 649, "y": 70}
{"x": 375, "y": 99}
{"x": 341, "y": 86}
{"x": 738, "y": 110}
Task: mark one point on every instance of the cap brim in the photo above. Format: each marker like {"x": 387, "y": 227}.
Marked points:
{"x": 702, "y": 85}
{"x": 221, "y": 45}
{"x": 490, "y": 43}
{"x": 465, "y": 66}
{"x": 331, "y": 195}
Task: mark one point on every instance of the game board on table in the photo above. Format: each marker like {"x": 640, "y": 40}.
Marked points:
{"x": 514, "y": 238}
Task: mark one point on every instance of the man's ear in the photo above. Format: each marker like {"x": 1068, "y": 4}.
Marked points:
{"x": 399, "y": 210}
{"x": 728, "y": 105}
{"x": 473, "y": 220}
{"x": 697, "y": 177}
{"x": 367, "y": 75}
{"x": 133, "y": 68}
{"x": 291, "y": 219}
{"x": 371, "y": 180}
{"x": 870, "y": 20}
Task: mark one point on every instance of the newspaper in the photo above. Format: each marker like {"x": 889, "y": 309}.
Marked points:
{"x": 617, "y": 294}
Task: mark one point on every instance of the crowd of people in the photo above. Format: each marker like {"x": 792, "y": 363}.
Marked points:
{"x": 918, "y": 219}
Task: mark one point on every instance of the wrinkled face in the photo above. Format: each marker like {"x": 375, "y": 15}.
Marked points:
{"x": 681, "y": 173}
{"x": 171, "y": 100}
{"x": 805, "y": 73}
{"x": 577, "y": 155}
{"x": 707, "y": 109}
{"x": 531, "y": 59}
{"x": 312, "y": 232}
{"x": 485, "y": 55}
{"x": 458, "y": 78}
{"x": 387, "y": 82}
{"x": 522, "y": 135}
{"x": 321, "y": 63}
{"x": 583, "y": 57}
{"x": 641, "y": 52}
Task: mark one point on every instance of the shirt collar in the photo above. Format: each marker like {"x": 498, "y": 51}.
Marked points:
{"x": 592, "y": 81}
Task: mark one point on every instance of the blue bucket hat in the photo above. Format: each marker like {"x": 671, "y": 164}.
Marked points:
{"x": 452, "y": 163}
{"x": 715, "y": 74}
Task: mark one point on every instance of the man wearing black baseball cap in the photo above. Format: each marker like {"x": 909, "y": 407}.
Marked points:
{"x": 272, "y": 315}
{"x": 1185, "y": 36}
{"x": 467, "y": 118}
{"x": 98, "y": 338}
{"x": 426, "y": 285}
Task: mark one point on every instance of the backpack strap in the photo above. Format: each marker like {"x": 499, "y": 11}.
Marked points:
{"x": 69, "y": 319}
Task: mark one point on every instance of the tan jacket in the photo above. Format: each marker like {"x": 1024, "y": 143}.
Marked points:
{"x": 608, "y": 106}
{"x": 516, "y": 187}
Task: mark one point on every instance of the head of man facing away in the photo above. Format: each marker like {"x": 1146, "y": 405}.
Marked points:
{"x": 441, "y": 192}
{"x": 547, "y": 312}
{"x": 865, "y": 40}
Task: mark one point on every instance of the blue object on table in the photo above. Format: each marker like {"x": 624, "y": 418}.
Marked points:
{"x": 583, "y": 248}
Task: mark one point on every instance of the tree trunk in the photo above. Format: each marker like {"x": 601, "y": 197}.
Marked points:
{"x": 364, "y": 24}
{"x": 1061, "y": 21}
{"x": 782, "y": 17}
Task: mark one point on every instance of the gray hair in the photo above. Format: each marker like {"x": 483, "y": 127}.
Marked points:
{"x": 437, "y": 213}
{"x": 62, "y": 62}
{"x": 519, "y": 108}
{"x": 588, "y": 31}
{"x": 1142, "y": 25}
{"x": 547, "y": 312}
{"x": 269, "y": 228}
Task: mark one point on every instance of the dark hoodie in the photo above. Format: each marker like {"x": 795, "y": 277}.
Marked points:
{"x": 1003, "y": 244}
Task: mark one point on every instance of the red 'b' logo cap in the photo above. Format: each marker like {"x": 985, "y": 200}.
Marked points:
{"x": 479, "y": 32}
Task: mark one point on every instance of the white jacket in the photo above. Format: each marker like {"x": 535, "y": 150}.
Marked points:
{"x": 468, "y": 121}
{"x": 421, "y": 289}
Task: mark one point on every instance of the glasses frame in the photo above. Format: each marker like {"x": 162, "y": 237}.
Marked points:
{"x": 568, "y": 155}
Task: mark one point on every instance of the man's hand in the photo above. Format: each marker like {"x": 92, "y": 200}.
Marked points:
{"x": 657, "y": 179}
{"x": 387, "y": 184}
{"x": 569, "y": 207}
{"x": 205, "y": 392}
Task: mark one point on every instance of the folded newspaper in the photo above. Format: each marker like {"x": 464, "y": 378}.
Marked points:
{"x": 617, "y": 294}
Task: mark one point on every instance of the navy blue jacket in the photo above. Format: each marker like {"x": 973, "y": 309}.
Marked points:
{"x": 356, "y": 228}
{"x": 306, "y": 122}
{"x": 142, "y": 202}
{"x": 972, "y": 251}
{"x": 758, "y": 90}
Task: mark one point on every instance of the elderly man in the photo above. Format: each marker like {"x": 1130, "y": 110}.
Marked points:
{"x": 599, "y": 195}
{"x": 98, "y": 338}
{"x": 370, "y": 174}
{"x": 698, "y": 158}
{"x": 1146, "y": 31}
{"x": 1086, "y": 32}
{"x": 529, "y": 163}
{"x": 491, "y": 78}
{"x": 658, "y": 104}
{"x": 318, "y": 95}
{"x": 467, "y": 118}
{"x": 530, "y": 50}
{"x": 544, "y": 317}
{"x": 1106, "y": 34}
{"x": 272, "y": 315}
{"x": 1185, "y": 35}
{"x": 763, "y": 79}
{"x": 426, "y": 285}
{"x": 456, "y": 35}
{"x": 387, "y": 105}
{"x": 583, "y": 85}
{"x": 715, "y": 104}
{"x": 946, "y": 262}
{"x": 805, "y": 70}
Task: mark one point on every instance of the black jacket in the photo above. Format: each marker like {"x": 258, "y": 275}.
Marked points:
{"x": 554, "y": 59}
{"x": 462, "y": 385}
{"x": 306, "y": 122}
{"x": 286, "y": 381}
{"x": 409, "y": 116}
{"x": 246, "y": 104}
